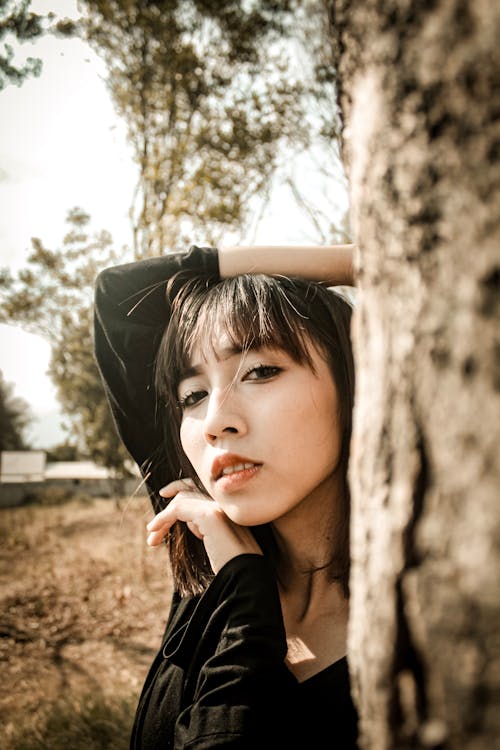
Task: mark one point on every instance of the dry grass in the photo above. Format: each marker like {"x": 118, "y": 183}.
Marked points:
{"x": 83, "y": 605}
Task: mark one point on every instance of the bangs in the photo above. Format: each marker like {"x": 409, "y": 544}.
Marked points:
{"x": 253, "y": 311}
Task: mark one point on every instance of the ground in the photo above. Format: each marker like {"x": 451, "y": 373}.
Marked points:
{"x": 83, "y": 603}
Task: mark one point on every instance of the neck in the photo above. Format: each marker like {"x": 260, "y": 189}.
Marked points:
{"x": 315, "y": 615}
{"x": 310, "y": 591}
{"x": 309, "y": 538}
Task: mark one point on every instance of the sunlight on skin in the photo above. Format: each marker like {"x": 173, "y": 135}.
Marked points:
{"x": 297, "y": 650}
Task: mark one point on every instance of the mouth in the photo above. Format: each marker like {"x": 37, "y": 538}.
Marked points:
{"x": 229, "y": 464}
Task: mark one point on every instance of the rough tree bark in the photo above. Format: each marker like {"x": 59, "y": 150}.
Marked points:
{"x": 419, "y": 93}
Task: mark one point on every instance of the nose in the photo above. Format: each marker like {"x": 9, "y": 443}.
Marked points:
{"x": 224, "y": 415}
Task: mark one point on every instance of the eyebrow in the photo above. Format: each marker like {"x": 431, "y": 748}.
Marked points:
{"x": 221, "y": 355}
{"x": 190, "y": 372}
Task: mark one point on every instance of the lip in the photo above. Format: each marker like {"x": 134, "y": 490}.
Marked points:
{"x": 237, "y": 480}
{"x": 232, "y": 459}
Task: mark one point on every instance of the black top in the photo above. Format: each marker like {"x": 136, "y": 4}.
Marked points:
{"x": 219, "y": 679}
{"x": 131, "y": 314}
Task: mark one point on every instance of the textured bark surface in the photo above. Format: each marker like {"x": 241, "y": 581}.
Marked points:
{"x": 419, "y": 90}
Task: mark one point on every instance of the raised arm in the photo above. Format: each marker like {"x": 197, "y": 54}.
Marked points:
{"x": 332, "y": 264}
{"x": 130, "y": 315}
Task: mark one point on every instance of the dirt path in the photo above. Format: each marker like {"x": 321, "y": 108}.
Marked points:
{"x": 83, "y": 602}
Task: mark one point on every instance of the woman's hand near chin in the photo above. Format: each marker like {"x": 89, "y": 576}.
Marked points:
{"x": 223, "y": 539}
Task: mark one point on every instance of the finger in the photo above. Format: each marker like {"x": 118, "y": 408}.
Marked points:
{"x": 160, "y": 525}
{"x": 160, "y": 521}
{"x": 187, "y": 507}
{"x": 158, "y": 532}
{"x": 178, "y": 485}
{"x": 155, "y": 538}
{"x": 170, "y": 514}
{"x": 158, "y": 536}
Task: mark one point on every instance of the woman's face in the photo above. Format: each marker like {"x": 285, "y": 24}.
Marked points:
{"x": 260, "y": 430}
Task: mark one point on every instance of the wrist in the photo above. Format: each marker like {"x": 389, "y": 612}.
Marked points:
{"x": 332, "y": 264}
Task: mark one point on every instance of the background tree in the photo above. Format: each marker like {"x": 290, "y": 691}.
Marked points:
{"x": 53, "y": 297}
{"x": 209, "y": 93}
{"x": 19, "y": 24}
{"x": 15, "y": 417}
{"x": 315, "y": 176}
{"x": 65, "y": 451}
{"x": 419, "y": 95}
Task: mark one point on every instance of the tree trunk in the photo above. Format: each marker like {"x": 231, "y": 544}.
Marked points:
{"x": 419, "y": 93}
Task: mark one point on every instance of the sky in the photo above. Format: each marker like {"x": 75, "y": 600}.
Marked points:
{"x": 62, "y": 145}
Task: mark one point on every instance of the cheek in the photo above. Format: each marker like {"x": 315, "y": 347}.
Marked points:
{"x": 319, "y": 435}
{"x": 191, "y": 440}
{"x": 323, "y": 423}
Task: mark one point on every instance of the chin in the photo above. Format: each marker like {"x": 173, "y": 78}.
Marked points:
{"x": 242, "y": 518}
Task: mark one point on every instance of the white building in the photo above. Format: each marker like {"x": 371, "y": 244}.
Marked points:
{"x": 22, "y": 466}
{"x": 24, "y": 473}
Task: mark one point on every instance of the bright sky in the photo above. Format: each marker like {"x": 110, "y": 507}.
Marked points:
{"x": 61, "y": 146}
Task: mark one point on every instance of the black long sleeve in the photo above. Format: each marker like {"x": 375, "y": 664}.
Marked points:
{"x": 220, "y": 680}
{"x": 130, "y": 316}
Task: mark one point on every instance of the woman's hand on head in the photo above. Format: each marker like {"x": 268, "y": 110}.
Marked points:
{"x": 223, "y": 539}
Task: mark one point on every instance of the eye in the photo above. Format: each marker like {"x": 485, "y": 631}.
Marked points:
{"x": 191, "y": 399}
{"x": 262, "y": 372}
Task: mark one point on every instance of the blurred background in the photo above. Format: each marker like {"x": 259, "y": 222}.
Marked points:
{"x": 131, "y": 135}
{"x": 127, "y": 130}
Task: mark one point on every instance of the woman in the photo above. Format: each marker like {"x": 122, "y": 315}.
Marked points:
{"x": 233, "y": 392}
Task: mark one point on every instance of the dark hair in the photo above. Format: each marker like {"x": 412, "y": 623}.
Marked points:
{"x": 254, "y": 310}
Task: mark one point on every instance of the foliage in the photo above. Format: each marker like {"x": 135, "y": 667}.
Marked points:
{"x": 322, "y": 198}
{"x": 217, "y": 97}
{"x": 15, "y": 416}
{"x": 210, "y": 93}
{"x": 17, "y": 21}
{"x": 65, "y": 451}
{"x": 53, "y": 297}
